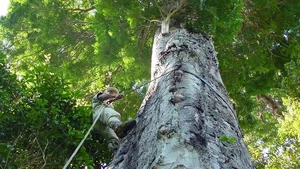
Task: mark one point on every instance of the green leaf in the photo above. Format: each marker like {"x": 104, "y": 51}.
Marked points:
{"x": 231, "y": 139}
{"x": 223, "y": 138}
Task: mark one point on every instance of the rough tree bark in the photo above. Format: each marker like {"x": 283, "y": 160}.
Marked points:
{"x": 185, "y": 112}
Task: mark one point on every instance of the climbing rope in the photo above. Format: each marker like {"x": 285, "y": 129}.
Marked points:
{"x": 178, "y": 68}
{"x": 95, "y": 121}
{"x": 202, "y": 79}
{"x": 84, "y": 138}
{"x": 210, "y": 86}
{"x": 153, "y": 80}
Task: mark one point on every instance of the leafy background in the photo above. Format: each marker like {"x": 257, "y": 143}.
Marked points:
{"x": 55, "y": 55}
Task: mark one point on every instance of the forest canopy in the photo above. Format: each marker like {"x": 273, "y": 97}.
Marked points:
{"x": 56, "y": 54}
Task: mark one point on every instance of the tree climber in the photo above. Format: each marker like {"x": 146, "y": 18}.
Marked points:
{"x": 109, "y": 124}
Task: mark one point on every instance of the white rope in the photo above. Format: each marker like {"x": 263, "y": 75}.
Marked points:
{"x": 82, "y": 141}
{"x": 103, "y": 106}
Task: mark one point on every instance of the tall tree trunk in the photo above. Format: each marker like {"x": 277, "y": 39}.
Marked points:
{"x": 186, "y": 116}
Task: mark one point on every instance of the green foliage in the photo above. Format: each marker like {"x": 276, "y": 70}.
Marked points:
{"x": 281, "y": 149}
{"x": 40, "y": 120}
{"x": 290, "y": 126}
{"x": 292, "y": 81}
{"x": 222, "y": 19}
{"x": 63, "y": 52}
{"x": 229, "y": 139}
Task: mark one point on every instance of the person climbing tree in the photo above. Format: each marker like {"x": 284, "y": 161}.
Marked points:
{"x": 109, "y": 124}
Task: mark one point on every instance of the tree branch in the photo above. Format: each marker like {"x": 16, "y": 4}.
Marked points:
{"x": 181, "y": 3}
{"x": 43, "y": 152}
{"x": 271, "y": 103}
{"x": 272, "y": 54}
{"x": 83, "y": 10}
{"x": 161, "y": 11}
{"x": 8, "y": 154}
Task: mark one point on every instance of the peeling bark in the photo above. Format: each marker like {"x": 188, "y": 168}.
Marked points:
{"x": 185, "y": 112}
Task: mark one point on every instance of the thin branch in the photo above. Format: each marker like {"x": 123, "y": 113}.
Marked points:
{"x": 141, "y": 3}
{"x": 170, "y": 14}
{"x": 271, "y": 103}
{"x": 8, "y": 154}
{"x": 83, "y": 10}
{"x": 161, "y": 11}
{"x": 143, "y": 34}
{"x": 150, "y": 20}
{"x": 43, "y": 152}
{"x": 281, "y": 42}
{"x": 272, "y": 54}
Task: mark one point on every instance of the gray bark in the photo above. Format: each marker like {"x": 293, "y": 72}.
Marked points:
{"x": 185, "y": 112}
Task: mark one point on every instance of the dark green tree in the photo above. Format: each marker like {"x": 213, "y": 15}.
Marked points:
{"x": 101, "y": 44}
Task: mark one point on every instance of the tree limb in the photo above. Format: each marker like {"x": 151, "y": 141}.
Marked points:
{"x": 43, "y": 152}
{"x": 83, "y": 10}
{"x": 162, "y": 13}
